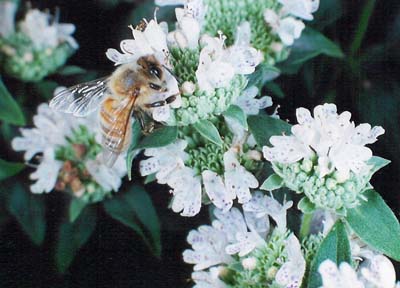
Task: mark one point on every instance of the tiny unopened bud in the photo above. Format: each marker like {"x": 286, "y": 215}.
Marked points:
{"x": 188, "y": 87}
{"x": 28, "y": 57}
{"x": 48, "y": 51}
{"x": 271, "y": 273}
{"x": 277, "y": 47}
{"x": 254, "y": 155}
{"x": 249, "y": 263}
{"x": 8, "y": 50}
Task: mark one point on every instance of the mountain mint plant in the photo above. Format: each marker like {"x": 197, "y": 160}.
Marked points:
{"x": 289, "y": 206}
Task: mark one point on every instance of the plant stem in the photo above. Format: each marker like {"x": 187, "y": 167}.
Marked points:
{"x": 305, "y": 225}
{"x": 362, "y": 26}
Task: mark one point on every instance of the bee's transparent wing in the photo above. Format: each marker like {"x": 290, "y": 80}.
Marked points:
{"x": 82, "y": 99}
{"x": 119, "y": 132}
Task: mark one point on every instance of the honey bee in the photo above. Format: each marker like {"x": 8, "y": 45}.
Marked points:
{"x": 133, "y": 89}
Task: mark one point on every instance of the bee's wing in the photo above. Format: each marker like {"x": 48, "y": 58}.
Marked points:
{"x": 82, "y": 99}
{"x": 119, "y": 131}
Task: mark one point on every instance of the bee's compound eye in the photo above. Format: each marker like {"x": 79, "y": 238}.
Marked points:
{"x": 155, "y": 87}
{"x": 155, "y": 71}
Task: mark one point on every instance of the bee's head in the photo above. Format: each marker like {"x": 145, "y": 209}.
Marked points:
{"x": 153, "y": 73}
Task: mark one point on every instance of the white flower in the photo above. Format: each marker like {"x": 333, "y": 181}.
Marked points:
{"x": 208, "y": 244}
{"x": 333, "y": 277}
{"x": 187, "y": 31}
{"x": 377, "y": 272}
{"x": 164, "y": 160}
{"x": 250, "y": 104}
{"x": 151, "y": 41}
{"x": 242, "y": 56}
{"x": 46, "y": 173}
{"x": 51, "y": 129}
{"x": 236, "y": 182}
{"x": 45, "y": 32}
{"x": 335, "y": 140}
{"x": 108, "y": 178}
{"x": 291, "y": 273}
{"x": 287, "y": 28}
{"x": 217, "y": 65}
{"x": 300, "y": 8}
{"x": 242, "y": 238}
{"x": 208, "y": 279}
{"x": 167, "y": 163}
{"x": 262, "y": 206}
{"x": 186, "y": 190}
{"x": 54, "y": 131}
{"x": 188, "y": 27}
{"x": 195, "y": 8}
{"x": 7, "y": 17}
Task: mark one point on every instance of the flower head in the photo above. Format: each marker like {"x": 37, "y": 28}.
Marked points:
{"x": 235, "y": 239}
{"x": 197, "y": 169}
{"x": 325, "y": 157}
{"x": 69, "y": 156}
{"x": 37, "y": 47}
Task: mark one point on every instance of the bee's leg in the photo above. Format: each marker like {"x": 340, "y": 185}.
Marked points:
{"x": 145, "y": 121}
{"x": 157, "y": 104}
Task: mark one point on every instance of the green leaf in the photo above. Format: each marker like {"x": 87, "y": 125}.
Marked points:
{"x": 377, "y": 163}
{"x": 306, "y": 206}
{"x": 76, "y": 207}
{"x": 263, "y": 74}
{"x": 275, "y": 89}
{"x": 264, "y": 126}
{"x": 45, "y": 88}
{"x": 72, "y": 236}
{"x": 135, "y": 209}
{"x": 159, "y": 138}
{"x": 10, "y": 111}
{"x": 335, "y": 247}
{"x": 310, "y": 45}
{"x": 272, "y": 183}
{"x": 132, "y": 151}
{"x": 329, "y": 12}
{"x": 70, "y": 70}
{"x": 374, "y": 222}
{"x": 236, "y": 113}
{"x": 208, "y": 131}
{"x": 29, "y": 210}
{"x": 9, "y": 169}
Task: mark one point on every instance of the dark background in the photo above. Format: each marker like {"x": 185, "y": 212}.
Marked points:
{"x": 365, "y": 82}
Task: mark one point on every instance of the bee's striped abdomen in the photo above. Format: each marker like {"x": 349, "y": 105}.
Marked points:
{"x": 115, "y": 123}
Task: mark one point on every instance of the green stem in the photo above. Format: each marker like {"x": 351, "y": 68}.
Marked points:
{"x": 362, "y": 26}
{"x": 306, "y": 225}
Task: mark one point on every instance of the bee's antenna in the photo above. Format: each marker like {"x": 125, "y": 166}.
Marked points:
{"x": 173, "y": 74}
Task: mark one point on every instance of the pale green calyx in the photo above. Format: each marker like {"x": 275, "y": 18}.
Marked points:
{"x": 269, "y": 259}
{"x": 330, "y": 192}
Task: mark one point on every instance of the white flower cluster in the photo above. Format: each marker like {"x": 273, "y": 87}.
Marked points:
{"x": 285, "y": 24}
{"x": 337, "y": 143}
{"x": 214, "y": 247}
{"x": 168, "y": 163}
{"x": 45, "y": 31}
{"x": 52, "y": 132}
{"x": 375, "y": 272}
{"x": 217, "y": 65}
